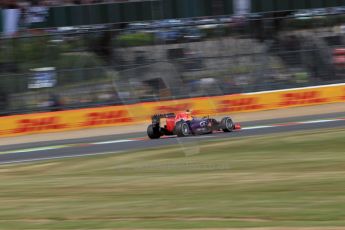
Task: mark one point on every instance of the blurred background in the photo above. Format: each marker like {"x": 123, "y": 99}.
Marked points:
{"x": 66, "y": 54}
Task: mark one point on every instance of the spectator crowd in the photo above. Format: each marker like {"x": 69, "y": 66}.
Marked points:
{"x": 20, "y": 14}
{"x": 14, "y": 4}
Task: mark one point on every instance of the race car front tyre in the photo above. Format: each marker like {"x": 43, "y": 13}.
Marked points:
{"x": 153, "y": 132}
{"x": 226, "y": 124}
{"x": 182, "y": 129}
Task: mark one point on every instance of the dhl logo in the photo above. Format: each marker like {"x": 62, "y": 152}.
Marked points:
{"x": 172, "y": 108}
{"x": 343, "y": 96}
{"x": 240, "y": 104}
{"x": 301, "y": 98}
{"x": 3, "y": 132}
{"x": 107, "y": 117}
{"x": 38, "y": 124}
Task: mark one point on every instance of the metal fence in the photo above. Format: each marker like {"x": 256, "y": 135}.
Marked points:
{"x": 95, "y": 67}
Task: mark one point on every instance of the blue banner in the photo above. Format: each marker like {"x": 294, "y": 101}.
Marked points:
{"x": 1, "y": 26}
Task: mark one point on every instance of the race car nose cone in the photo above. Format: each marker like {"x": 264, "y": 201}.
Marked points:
{"x": 237, "y": 126}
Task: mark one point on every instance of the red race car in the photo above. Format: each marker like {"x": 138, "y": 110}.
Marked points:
{"x": 184, "y": 124}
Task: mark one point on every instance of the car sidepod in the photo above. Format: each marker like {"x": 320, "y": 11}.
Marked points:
{"x": 200, "y": 126}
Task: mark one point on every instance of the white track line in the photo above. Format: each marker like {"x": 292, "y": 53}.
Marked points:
{"x": 257, "y": 127}
{"x": 318, "y": 121}
{"x": 130, "y": 140}
{"x": 35, "y": 149}
{"x": 60, "y": 147}
{"x": 110, "y": 142}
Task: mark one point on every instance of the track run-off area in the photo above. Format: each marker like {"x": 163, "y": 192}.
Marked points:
{"x": 119, "y": 143}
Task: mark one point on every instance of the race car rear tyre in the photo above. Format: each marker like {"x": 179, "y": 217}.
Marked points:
{"x": 182, "y": 129}
{"x": 226, "y": 124}
{"x": 153, "y": 132}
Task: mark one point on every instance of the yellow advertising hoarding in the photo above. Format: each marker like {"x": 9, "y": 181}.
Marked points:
{"x": 130, "y": 114}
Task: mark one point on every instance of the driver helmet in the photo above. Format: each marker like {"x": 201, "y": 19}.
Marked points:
{"x": 189, "y": 114}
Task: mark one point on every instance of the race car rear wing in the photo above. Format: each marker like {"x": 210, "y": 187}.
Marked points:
{"x": 157, "y": 117}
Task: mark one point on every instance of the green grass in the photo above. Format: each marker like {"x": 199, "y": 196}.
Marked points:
{"x": 135, "y": 39}
{"x": 290, "y": 180}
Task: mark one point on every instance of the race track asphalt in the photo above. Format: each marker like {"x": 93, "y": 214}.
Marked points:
{"x": 39, "y": 151}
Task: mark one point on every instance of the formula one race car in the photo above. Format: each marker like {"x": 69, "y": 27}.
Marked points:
{"x": 183, "y": 124}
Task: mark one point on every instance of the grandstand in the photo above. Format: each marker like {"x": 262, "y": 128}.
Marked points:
{"x": 176, "y": 52}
